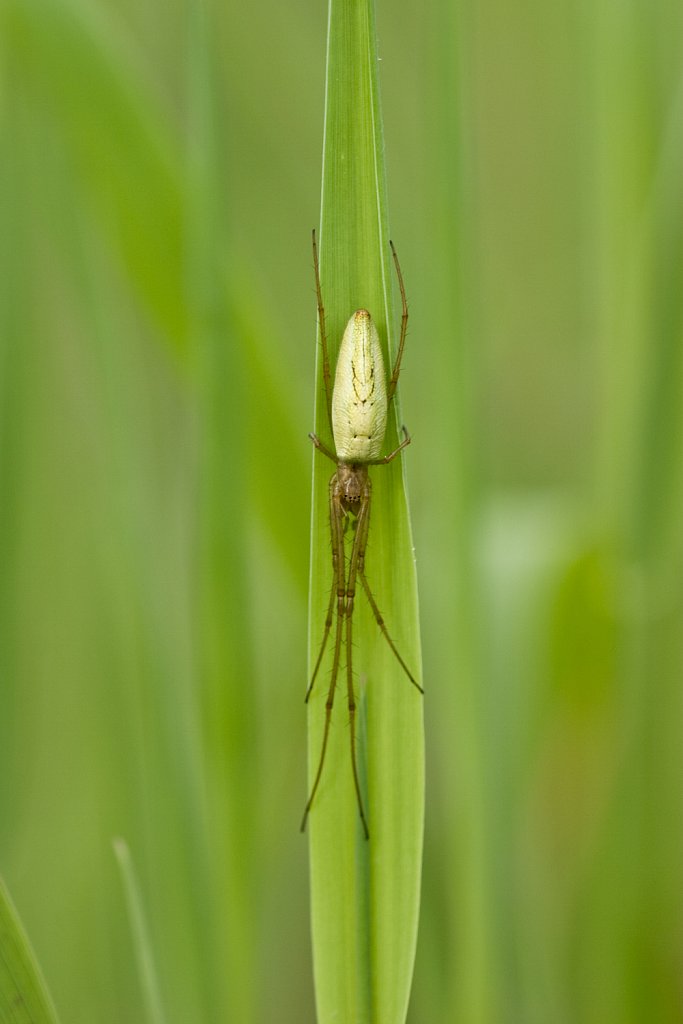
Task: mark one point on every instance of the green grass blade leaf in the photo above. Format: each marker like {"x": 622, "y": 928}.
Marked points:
{"x": 24, "y": 998}
{"x": 365, "y": 895}
{"x": 141, "y": 939}
{"x": 116, "y": 129}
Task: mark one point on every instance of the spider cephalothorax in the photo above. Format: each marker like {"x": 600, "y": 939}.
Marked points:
{"x": 352, "y": 481}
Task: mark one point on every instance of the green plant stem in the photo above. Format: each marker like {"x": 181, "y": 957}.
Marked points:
{"x": 364, "y": 894}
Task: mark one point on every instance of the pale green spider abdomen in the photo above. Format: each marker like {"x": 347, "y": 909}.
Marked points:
{"x": 359, "y": 398}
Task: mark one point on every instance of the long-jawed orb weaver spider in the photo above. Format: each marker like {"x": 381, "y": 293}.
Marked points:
{"x": 357, "y": 410}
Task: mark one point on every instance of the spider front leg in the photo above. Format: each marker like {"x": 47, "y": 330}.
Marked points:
{"x": 337, "y": 531}
{"x": 336, "y": 564}
{"x": 355, "y": 564}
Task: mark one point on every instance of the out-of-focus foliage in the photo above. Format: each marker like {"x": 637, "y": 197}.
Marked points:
{"x": 23, "y": 995}
{"x": 159, "y": 177}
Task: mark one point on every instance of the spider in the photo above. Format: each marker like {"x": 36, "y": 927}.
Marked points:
{"x": 357, "y": 410}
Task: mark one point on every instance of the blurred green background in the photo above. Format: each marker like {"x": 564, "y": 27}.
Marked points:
{"x": 159, "y": 178}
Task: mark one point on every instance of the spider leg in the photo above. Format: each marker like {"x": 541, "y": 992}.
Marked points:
{"x": 333, "y": 589}
{"x": 327, "y": 376}
{"x": 336, "y": 518}
{"x": 357, "y": 555}
{"x": 322, "y": 448}
{"x": 392, "y": 455}
{"x": 371, "y": 600}
{"x": 380, "y": 622}
{"x": 391, "y": 388}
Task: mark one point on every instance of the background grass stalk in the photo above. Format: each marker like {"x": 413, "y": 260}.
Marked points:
{"x": 144, "y": 952}
{"x": 24, "y": 998}
{"x": 365, "y": 895}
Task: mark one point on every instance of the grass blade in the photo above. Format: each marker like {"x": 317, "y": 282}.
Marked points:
{"x": 124, "y": 155}
{"x": 365, "y": 895}
{"x": 24, "y": 998}
{"x": 141, "y": 939}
